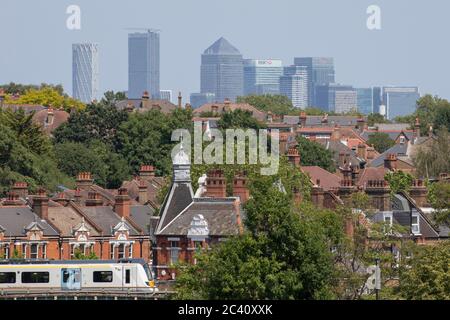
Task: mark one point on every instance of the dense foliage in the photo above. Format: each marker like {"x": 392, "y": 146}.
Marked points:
{"x": 277, "y": 104}
{"x": 399, "y": 181}
{"x": 314, "y": 154}
{"x": 380, "y": 141}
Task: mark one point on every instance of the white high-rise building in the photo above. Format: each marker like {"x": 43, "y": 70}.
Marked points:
{"x": 294, "y": 85}
{"x": 85, "y": 72}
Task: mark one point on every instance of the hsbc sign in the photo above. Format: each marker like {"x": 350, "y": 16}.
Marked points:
{"x": 265, "y": 63}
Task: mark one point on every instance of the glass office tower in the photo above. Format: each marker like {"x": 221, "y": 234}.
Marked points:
{"x": 294, "y": 85}
{"x": 222, "y": 71}
{"x": 199, "y": 99}
{"x": 85, "y": 72}
{"x": 262, "y": 76}
{"x": 400, "y": 101}
{"x": 336, "y": 97}
{"x": 143, "y": 64}
{"x": 365, "y": 100}
{"x": 320, "y": 72}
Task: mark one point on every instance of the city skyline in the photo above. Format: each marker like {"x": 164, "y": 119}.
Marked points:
{"x": 362, "y": 63}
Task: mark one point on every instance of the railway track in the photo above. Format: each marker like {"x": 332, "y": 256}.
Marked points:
{"x": 94, "y": 295}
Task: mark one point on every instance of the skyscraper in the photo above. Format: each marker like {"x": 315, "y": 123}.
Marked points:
{"x": 365, "y": 100}
{"x": 85, "y": 72}
{"x": 199, "y": 99}
{"x": 221, "y": 71}
{"x": 143, "y": 64}
{"x": 262, "y": 76}
{"x": 294, "y": 85}
{"x": 377, "y": 99}
{"x": 320, "y": 72}
{"x": 337, "y": 98}
{"x": 400, "y": 101}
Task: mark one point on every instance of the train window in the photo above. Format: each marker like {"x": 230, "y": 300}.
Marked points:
{"x": 103, "y": 276}
{"x": 7, "y": 277}
{"x": 35, "y": 277}
{"x": 127, "y": 276}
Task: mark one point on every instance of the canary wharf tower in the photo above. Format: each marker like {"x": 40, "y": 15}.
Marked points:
{"x": 222, "y": 71}
{"x": 85, "y": 72}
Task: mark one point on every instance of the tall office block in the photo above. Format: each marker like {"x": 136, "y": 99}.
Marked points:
{"x": 143, "y": 64}
{"x": 377, "y": 99}
{"x": 294, "y": 85}
{"x": 222, "y": 71}
{"x": 365, "y": 100}
{"x": 337, "y": 98}
{"x": 199, "y": 99}
{"x": 320, "y": 72}
{"x": 400, "y": 101}
{"x": 262, "y": 76}
{"x": 85, "y": 72}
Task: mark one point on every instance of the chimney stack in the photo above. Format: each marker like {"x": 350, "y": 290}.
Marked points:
{"x": 94, "y": 199}
{"x": 269, "y": 117}
{"x": 416, "y": 129}
{"x": 216, "y": 184}
{"x": 360, "y": 124}
{"x": 180, "y": 98}
{"x": 84, "y": 180}
{"x": 147, "y": 172}
{"x": 390, "y": 162}
{"x": 143, "y": 195}
{"x": 380, "y": 193}
{"x": 122, "y": 204}
{"x": 362, "y": 151}
{"x": 346, "y": 189}
{"x": 294, "y": 157}
{"x": 240, "y": 188}
{"x": 419, "y": 192}
{"x": 302, "y": 119}
{"x": 21, "y": 189}
{"x": 145, "y": 99}
{"x": 12, "y": 199}
{"x": 40, "y": 204}
{"x": 317, "y": 195}
{"x": 50, "y": 116}
{"x": 62, "y": 199}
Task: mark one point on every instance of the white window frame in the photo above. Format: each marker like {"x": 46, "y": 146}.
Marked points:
{"x": 130, "y": 251}
{"x": 413, "y": 225}
{"x": 34, "y": 255}
{"x": 391, "y": 221}
{"x": 44, "y": 251}
{"x": 174, "y": 251}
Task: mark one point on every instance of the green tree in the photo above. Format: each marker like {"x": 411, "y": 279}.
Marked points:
{"x": 46, "y": 96}
{"x": 20, "y": 89}
{"x": 285, "y": 254}
{"x": 439, "y": 197}
{"x": 427, "y": 276}
{"x": 380, "y": 141}
{"x": 314, "y": 154}
{"x": 376, "y": 118}
{"x": 277, "y": 104}
{"x": 434, "y": 159}
{"x": 146, "y": 138}
{"x": 399, "y": 181}
{"x": 111, "y": 97}
{"x": 239, "y": 119}
{"x": 99, "y": 121}
{"x": 109, "y": 169}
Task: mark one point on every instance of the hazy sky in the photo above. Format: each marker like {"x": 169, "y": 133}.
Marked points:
{"x": 412, "y": 48}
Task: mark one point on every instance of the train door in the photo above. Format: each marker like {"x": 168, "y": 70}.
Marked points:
{"x": 71, "y": 278}
{"x": 126, "y": 277}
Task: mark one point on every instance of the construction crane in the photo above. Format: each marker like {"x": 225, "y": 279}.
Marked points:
{"x": 146, "y": 29}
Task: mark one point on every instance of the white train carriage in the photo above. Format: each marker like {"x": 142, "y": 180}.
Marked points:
{"x": 87, "y": 275}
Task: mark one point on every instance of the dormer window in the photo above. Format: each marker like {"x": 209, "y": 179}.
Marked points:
{"x": 402, "y": 139}
{"x": 415, "y": 225}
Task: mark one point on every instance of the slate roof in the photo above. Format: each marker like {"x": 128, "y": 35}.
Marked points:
{"x": 163, "y": 105}
{"x": 370, "y": 173}
{"x": 14, "y": 219}
{"x": 328, "y": 180}
{"x": 153, "y": 187}
{"x": 393, "y": 134}
{"x": 314, "y": 121}
{"x": 59, "y": 117}
{"x": 222, "y": 46}
{"x": 399, "y": 149}
{"x": 179, "y": 197}
{"x": 66, "y": 218}
{"x": 221, "y": 108}
{"x": 220, "y": 214}
{"x": 338, "y": 147}
{"x": 141, "y": 215}
{"x": 106, "y": 219}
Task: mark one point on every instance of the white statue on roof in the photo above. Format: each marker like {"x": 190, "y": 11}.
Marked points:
{"x": 201, "y": 186}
